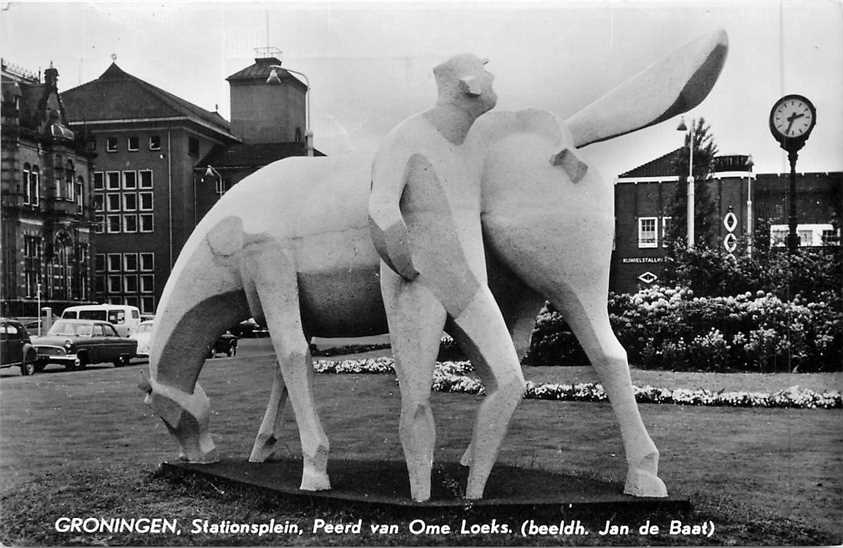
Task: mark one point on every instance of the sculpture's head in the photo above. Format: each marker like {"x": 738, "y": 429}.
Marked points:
{"x": 464, "y": 81}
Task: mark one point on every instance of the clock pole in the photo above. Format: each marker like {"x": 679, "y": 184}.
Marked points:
{"x": 792, "y": 238}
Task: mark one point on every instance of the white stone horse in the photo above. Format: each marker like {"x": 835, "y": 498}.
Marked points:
{"x": 290, "y": 245}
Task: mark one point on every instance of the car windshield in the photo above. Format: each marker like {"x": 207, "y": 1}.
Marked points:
{"x": 71, "y": 329}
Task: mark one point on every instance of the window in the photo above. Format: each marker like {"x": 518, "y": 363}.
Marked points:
{"x": 145, "y": 178}
{"x": 147, "y": 283}
{"x": 114, "y": 283}
{"x": 130, "y": 284}
{"x": 830, "y": 237}
{"x": 58, "y": 187}
{"x": 647, "y": 232}
{"x": 99, "y": 224}
{"x": 26, "y": 189}
{"x": 154, "y": 142}
{"x": 115, "y": 300}
{"x": 99, "y": 284}
{"x": 113, "y": 201}
{"x": 114, "y": 262}
{"x": 99, "y": 202}
{"x": 130, "y": 223}
{"x": 69, "y": 188}
{"x": 147, "y": 305}
{"x": 111, "y": 144}
{"x": 34, "y": 186}
{"x": 146, "y": 201}
{"x": 130, "y": 262}
{"x": 665, "y": 227}
{"x": 99, "y": 262}
{"x": 99, "y": 180}
{"x": 112, "y": 179}
{"x": 80, "y": 198}
{"x": 130, "y": 201}
{"x": 97, "y": 330}
{"x": 31, "y": 264}
{"x": 130, "y": 180}
{"x": 147, "y": 262}
{"x": 193, "y": 146}
{"x": 131, "y": 301}
{"x": 112, "y": 224}
{"x": 132, "y": 143}
{"x": 146, "y": 224}
{"x": 806, "y": 237}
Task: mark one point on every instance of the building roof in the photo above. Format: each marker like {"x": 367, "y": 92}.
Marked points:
{"x": 243, "y": 155}
{"x": 664, "y": 166}
{"x": 117, "y": 95}
{"x": 259, "y": 72}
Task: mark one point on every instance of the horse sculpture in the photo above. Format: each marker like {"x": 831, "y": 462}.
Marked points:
{"x": 290, "y": 245}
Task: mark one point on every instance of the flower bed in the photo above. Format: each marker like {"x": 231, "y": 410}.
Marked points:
{"x": 457, "y": 377}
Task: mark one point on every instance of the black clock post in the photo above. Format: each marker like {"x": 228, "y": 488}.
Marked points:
{"x": 791, "y": 120}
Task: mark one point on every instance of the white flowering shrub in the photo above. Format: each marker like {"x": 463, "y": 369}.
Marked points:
{"x": 457, "y": 377}
{"x": 671, "y": 328}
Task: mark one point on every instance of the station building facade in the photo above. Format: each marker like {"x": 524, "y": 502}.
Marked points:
{"x": 45, "y": 193}
{"x": 741, "y": 198}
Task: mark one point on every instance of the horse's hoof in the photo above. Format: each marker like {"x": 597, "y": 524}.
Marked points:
{"x": 313, "y": 481}
{"x": 640, "y": 483}
{"x": 264, "y": 449}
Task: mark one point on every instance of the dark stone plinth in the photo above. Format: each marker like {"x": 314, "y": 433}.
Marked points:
{"x": 385, "y": 483}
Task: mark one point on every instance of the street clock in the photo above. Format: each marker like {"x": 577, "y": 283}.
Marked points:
{"x": 791, "y": 120}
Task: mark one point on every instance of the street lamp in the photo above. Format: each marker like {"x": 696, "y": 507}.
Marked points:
{"x": 273, "y": 78}
{"x": 690, "y": 211}
{"x": 210, "y": 171}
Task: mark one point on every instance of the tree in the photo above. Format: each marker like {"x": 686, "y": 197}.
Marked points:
{"x": 705, "y": 211}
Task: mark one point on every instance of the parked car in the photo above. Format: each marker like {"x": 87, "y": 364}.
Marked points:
{"x": 226, "y": 344}
{"x": 77, "y": 343}
{"x": 124, "y": 318}
{"x": 16, "y": 348}
{"x": 249, "y": 328}
{"x": 143, "y": 334}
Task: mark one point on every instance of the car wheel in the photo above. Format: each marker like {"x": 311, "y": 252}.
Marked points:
{"x": 82, "y": 361}
{"x": 40, "y": 365}
{"x": 28, "y": 366}
{"x": 121, "y": 361}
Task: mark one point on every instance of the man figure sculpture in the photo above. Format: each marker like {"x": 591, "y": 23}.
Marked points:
{"x": 424, "y": 215}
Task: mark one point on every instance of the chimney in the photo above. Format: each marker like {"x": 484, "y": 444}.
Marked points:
{"x": 51, "y": 76}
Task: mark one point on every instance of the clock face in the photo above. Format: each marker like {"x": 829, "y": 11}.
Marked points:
{"x": 792, "y": 117}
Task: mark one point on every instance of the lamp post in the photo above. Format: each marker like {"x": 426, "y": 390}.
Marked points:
{"x": 273, "y": 78}
{"x": 690, "y": 196}
{"x": 210, "y": 171}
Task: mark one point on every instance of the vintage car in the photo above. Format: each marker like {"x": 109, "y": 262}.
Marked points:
{"x": 226, "y": 344}
{"x": 143, "y": 334}
{"x": 77, "y": 343}
{"x": 15, "y": 347}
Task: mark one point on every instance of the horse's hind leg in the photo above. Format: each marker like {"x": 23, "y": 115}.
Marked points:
{"x": 266, "y": 442}
{"x": 587, "y": 315}
{"x": 273, "y": 272}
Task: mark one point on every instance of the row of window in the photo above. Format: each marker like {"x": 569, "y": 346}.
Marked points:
{"x": 126, "y": 223}
{"x": 65, "y": 277}
{"x": 123, "y": 201}
{"x": 126, "y": 283}
{"x": 145, "y": 304}
{"x": 112, "y": 144}
{"x": 123, "y": 180}
{"x": 68, "y": 186}
{"x": 125, "y": 262}
{"x": 810, "y": 235}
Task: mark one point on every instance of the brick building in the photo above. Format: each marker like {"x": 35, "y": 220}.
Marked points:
{"x": 145, "y": 199}
{"x": 46, "y": 197}
{"x": 741, "y": 197}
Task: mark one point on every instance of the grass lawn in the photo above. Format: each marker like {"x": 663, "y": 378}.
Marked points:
{"x": 84, "y": 444}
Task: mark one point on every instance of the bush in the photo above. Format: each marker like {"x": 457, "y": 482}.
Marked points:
{"x": 663, "y": 328}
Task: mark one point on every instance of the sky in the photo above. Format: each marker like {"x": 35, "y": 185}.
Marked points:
{"x": 369, "y": 64}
